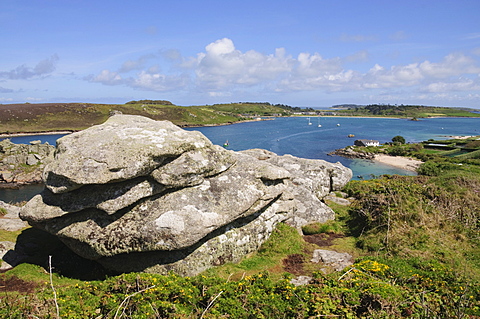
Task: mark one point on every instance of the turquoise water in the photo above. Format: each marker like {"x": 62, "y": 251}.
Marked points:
{"x": 294, "y": 136}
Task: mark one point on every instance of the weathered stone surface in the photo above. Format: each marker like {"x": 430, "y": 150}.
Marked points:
{"x": 11, "y": 220}
{"x": 110, "y": 198}
{"x": 23, "y": 164}
{"x": 175, "y": 220}
{"x": 301, "y": 280}
{"x": 140, "y": 195}
{"x": 122, "y": 148}
{"x": 338, "y": 261}
{"x": 313, "y": 180}
{"x": 5, "y": 246}
{"x": 192, "y": 167}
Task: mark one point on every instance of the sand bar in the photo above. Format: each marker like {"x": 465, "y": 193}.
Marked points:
{"x": 398, "y": 161}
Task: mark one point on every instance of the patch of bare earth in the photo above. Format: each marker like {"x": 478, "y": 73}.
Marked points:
{"x": 13, "y": 283}
{"x": 322, "y": 240}
{"x": 294, "y": 263}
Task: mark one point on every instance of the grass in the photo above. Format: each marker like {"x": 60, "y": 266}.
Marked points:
{"x": 284, "y": 241}
{"x": 6, "y": 235}
{"x": 77, "y": 116}
{"x": 415, "y": 240}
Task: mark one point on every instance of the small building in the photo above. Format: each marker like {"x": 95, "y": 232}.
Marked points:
{"x": 364, "y": 142}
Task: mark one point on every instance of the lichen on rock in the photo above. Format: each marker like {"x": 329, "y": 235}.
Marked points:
{"x": 141, "y": 195}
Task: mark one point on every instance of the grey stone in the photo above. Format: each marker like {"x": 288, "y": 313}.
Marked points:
{"x": 11, "y": 220}
{"x": 313, "y": 180}
{"x": 140, "y": 195}
{"x": 5, "y": 247}
{"x": 31, "y": 159}
{"x": 301, "y": 280}
{"x": 122, "y": 148}
{"x": 338, "y": 261}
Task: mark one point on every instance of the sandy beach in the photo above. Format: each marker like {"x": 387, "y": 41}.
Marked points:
{"x": 398, "y": 161}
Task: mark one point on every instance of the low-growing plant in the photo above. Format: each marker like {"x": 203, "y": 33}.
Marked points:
{"x": 330, "y": 226}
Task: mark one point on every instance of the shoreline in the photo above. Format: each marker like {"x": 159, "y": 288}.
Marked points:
{"x": 7, "y": 135}
{"x": 405, "y": 163}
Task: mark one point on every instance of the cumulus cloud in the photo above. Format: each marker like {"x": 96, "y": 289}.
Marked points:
{"x": 452, "y": 65}
{"x": 222, "y": 65}
{"x": 24, "y": 72}
{"x": 221, "y": 70}
{"x": 107, "y": 77}
{"x": 460, "y": 85}
{"x": 145, "y": 80}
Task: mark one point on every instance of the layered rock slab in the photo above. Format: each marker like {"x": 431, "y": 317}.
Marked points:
{"x": 154, "y": 197}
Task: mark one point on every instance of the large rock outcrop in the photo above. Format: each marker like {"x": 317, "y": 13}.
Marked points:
{"x": 141, "y": 195}
{"x": 23, "y": 163}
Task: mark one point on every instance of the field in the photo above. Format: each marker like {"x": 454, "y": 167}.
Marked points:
{"x": 16, "y": 118}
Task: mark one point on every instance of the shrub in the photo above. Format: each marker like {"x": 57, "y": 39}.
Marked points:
{"x": 429, "y": 168}
{"x": 398, "y": 139}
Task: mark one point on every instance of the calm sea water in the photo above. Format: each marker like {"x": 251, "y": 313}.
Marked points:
{"x": 294, "y": 136}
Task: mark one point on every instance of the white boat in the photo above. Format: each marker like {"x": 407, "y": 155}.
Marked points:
{"x": 319, "y": 125}
{"x": 309, "y": 123}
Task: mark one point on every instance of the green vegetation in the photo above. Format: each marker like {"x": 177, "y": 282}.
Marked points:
{"x": 15, "y": 118}
{"x": 408, "y": 111}
{"x": 77, "y": 116}
{"x": 415, "y": 240}
{"x": 398, "y": 139}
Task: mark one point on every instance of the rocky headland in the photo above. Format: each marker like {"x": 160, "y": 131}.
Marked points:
{"x": 134, "y": 194}
{"x": 350, "y": 152}
{"x": 22, "y": 164}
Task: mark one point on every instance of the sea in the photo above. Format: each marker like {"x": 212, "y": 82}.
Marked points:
{"x": 307, "y": 137}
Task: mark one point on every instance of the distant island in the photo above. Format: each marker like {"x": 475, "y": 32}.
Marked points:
{"x": 54, "y": 117}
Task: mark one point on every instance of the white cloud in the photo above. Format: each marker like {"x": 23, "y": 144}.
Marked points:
{"x": 460, "y": 85}
{"x": 137, "y": 64}
{"x": 452, "y": 65}
{"x": 158, "y": 82}
{"x": 149, "y": 80}
{"x": 222, "y": 70}
{"x": 222, "y": 65}
{"x": 24, "y": 72}
{"x": 107, "y": 77}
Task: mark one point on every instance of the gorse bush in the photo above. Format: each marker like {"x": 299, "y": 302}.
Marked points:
{"x": 416, "y": 239}
{"x": 371, "y": 288}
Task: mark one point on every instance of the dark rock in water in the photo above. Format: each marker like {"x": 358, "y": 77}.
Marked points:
{"x": 140, "y": 195}
{"x": 351, "y": 153}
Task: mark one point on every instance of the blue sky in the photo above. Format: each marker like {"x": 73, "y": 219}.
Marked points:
{"x": 307, "y": 53}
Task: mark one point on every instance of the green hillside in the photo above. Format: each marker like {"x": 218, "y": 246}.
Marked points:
{"x": 46, "y": 117}
{"x": 412, "y": 111}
